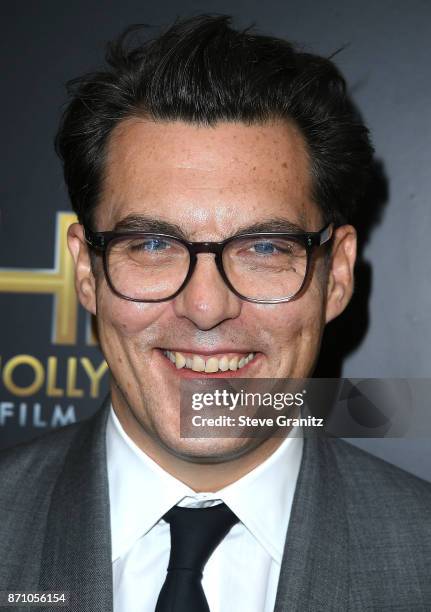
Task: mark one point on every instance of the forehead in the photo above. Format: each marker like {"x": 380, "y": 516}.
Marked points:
{"x": 209, "y": 177}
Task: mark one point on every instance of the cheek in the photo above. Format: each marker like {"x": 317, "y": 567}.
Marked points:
{"x": 292, "y": 330}
{"x": 299, "y": 318}
{"x": 127, "y": 318}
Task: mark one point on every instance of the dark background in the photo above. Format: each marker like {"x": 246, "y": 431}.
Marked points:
{"x": 386, "y": 332}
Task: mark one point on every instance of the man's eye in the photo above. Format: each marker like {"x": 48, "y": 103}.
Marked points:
{"x": 152, "y": 245}
{"x": 264, "y": 248}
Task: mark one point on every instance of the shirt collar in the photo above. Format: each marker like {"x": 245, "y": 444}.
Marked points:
{"x": 262, "y": 499}
{"x": 141, "y": 492}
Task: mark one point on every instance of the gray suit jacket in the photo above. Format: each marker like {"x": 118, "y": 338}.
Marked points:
{"x": 359, "y": 536}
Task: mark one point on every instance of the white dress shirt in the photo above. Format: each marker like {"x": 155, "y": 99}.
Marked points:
{"x": 242, "y": 574}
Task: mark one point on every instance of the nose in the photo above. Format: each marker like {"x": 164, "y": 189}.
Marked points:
{"x": 206, "y": 300}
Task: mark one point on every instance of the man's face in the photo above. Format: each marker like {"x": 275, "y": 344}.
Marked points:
{"x": 212, "y": 183}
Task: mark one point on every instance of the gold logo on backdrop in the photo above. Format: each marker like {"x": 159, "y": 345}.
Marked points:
{"x": 57, "y": 281}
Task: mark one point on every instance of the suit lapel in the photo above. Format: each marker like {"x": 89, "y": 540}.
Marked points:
{"x": 314, "y": 573}
{"x": 77, "y": 550}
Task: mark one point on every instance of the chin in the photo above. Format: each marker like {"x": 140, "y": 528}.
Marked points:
{"x": 210, "y": 450}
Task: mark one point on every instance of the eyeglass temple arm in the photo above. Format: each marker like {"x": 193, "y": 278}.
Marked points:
{"x": 96, "y": 241}
{"x": 326, "y": 234}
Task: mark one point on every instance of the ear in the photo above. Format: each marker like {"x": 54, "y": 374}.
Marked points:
{"x": 85, "y": 283}
{"x": 341, "y": 277}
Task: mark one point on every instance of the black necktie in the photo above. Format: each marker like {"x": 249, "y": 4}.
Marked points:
{"x": 195, "y": 534}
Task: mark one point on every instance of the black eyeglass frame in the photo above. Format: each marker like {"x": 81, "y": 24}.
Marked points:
{"x": 100, "y": 241}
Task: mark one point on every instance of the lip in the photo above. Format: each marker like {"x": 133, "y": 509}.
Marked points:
{"x": 210, "y": 352}
{"x": 187, "y": 373}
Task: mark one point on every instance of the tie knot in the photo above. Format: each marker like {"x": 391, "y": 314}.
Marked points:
{"x": 196, "y": 533}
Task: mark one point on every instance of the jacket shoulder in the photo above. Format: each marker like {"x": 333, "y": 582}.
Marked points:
{"x": 374, "y": 477}
{"x": 29, "y": 474}
{"x": 388, "y": 517}
{"x": 29, "y": 468}
{"x": 388, "y": 509}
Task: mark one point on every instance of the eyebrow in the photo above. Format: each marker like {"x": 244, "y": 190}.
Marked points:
{"x": 275, "y": 224}
{"x": 144, "y": 223}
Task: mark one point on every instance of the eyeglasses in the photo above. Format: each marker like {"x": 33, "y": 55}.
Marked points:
{"x": 266, "y": 268}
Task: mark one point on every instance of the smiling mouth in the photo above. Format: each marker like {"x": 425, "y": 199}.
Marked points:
{"x": 208, "y": 364}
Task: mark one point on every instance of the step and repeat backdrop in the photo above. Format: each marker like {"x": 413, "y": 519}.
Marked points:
{"x": 51, "y": 370}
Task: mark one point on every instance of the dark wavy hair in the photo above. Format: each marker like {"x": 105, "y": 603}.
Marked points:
{"x": 202, "y": 71}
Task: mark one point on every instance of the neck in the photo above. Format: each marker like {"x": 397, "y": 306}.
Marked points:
{"x": 201, "y": 476}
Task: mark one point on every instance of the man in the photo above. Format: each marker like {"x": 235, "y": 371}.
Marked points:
{"x": 214, "y": 173}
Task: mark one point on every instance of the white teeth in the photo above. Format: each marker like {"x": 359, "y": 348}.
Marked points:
{"x": 233, "y": 363}
{"x": 211, "y": 365}
{"x": 223, "y": 364}
{"x": 198, "y": 364}
{"x": 180, "y": 361}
